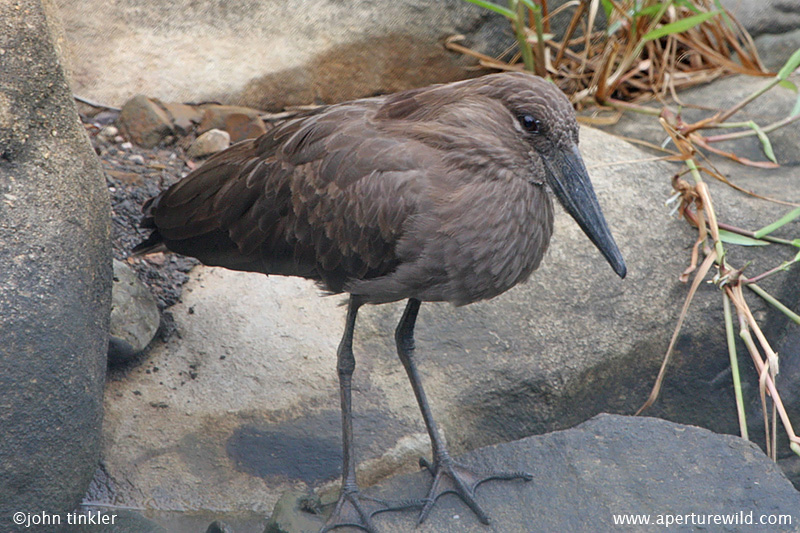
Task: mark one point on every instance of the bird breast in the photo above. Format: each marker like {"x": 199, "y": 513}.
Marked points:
{"x": 475, "y": 242}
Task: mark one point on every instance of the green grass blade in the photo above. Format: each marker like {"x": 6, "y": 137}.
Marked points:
{"x": 734, "y": 238}
{"x": 790, "y": 66}
{"x": 688, "y": 5}
{"x": 786, "y": 84}
{"x": 785, "y": 219}
{"x": 796, "y": 108}
{"x": 648, "y": 11}
{"x": 491, "y": 6}
{"x": 774, "y": 302}
{"x": 530, "y": 5}
{"x": 608, "y": 7}
{"x": 737, "y": 382}
{"x": 725, "y": 17}
{"x": 679, "y": 25}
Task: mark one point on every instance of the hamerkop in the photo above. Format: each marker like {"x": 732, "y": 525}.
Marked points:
{"x": 433, "y": 194}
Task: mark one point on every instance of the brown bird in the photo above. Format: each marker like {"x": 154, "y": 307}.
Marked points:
{"x": 433, "y": 194}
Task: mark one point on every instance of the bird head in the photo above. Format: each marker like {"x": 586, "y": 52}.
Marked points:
{"x": 546, "y": 123}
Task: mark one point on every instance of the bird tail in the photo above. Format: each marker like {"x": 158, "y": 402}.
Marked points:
{"x": 155, "y": 242}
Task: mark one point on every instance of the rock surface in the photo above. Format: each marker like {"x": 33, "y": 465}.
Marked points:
{"x": 765, "y": 16}
{"x": 320, "y": 50}
{"x": 55, "y": 286}
{"x": 610, "y": 465}
{"x": 134, "y": 315}
{"x": 251, "y": 378}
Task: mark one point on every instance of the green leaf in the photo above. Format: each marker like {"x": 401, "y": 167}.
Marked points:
{"x": 765, "y": 144}
{"x": 785, "y": 219}
{"x": 494, "y": 7}
{"x": 734, "y": 238}
{"x": 608, "y": 7}
{"x": 679, "y": 25}
{"x": 786, "y": 84}
{"x": 533, "y": 7}
{"x": 790, "y": 66}
{"x": 688, "y": 5}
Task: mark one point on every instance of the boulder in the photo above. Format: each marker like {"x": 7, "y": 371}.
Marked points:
{"x": 55, "y": 261}
{"x": 608, "y": 474}
{"x": 243, "y": 404}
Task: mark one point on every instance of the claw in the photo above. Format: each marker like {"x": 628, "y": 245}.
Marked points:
{"x": 356, "y": 510}
{"x": 452, "y": 477}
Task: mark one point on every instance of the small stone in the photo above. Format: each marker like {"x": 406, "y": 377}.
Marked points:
{"x": 136, "y": 158}
{"x": 242, "y": 126}
{"x": 295, "y": 511}
{"x": 214, "y": 115}
{"x": 134, "y": 315}
{"x": 127, "y": 145}
{"x": 209, "y": 143}
{"x": 184, "y": 117}
{"x": 144, "y": 122}
{"x": 109, "y": 132}
{"x": 119, "y": 139}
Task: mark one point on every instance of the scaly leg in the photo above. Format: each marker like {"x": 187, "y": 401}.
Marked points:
{"x": 448, "y": 475}
{"x": 354, "y": 509}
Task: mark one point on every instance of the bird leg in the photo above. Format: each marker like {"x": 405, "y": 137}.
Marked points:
{"x": 354, "y": 509}
{"x": 448, "y": 475}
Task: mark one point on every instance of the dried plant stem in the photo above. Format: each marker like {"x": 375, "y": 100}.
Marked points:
{"x": 698, "y": 278}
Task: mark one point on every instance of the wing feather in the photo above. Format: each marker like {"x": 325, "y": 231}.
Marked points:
{"x": 325, "y": 196}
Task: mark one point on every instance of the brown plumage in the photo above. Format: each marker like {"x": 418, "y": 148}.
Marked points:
{"x": 433, "y": 194}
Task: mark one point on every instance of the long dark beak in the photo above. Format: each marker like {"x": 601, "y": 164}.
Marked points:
{"x": 569, "y": 180}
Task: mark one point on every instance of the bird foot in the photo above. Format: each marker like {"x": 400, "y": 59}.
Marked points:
{"x": 452, "y": 477}
{"x": 356, "y": 510}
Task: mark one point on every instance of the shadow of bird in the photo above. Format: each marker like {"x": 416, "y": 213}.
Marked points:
{"x": 432, "y": 194}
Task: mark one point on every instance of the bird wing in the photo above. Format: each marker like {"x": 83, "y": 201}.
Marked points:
{"x": 325, "y": 196}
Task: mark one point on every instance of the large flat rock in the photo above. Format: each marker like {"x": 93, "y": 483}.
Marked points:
{"x": 609, "y": 469}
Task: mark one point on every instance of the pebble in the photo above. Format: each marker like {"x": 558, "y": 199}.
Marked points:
{"x": 210, "y": 142}
{"x": 136, "y": 158}
{"x": 109, "y": 132}
{"x": 126, "y": 145}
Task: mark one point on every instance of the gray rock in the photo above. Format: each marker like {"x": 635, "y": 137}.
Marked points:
{"x": 134, "y": 315}
{"x": 210, "y": 142}
{"x": 144, "y": 122}
{"x": 610, "y": 465}
{"x": 252, "y": 374}
{"x": 55, "y": 259}
{"x": 775, "y": 50}
{"x": 765, "y": 16}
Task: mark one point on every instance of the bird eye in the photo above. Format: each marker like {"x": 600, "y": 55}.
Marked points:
{"x": 529, "y": 123}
